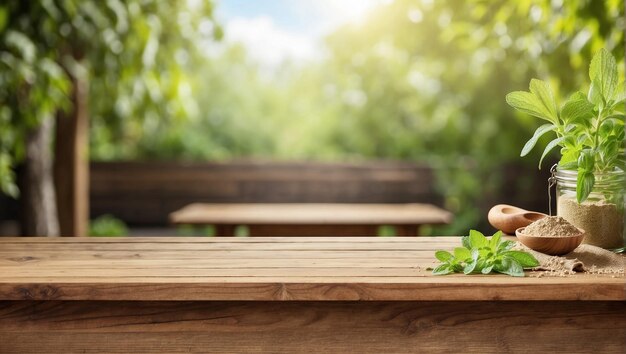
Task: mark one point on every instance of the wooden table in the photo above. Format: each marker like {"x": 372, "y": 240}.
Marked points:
{"x": 311, "y": 219}
{"x": 288, "y": 295}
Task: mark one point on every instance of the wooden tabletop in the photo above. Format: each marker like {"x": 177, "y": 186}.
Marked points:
{"x": 311, "y": 214}
{"x": 281, "y": 268}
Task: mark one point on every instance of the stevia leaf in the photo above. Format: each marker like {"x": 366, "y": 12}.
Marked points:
{"x": 525, "y": 259}
{"x": 584, "y": 184}
{"x": 495, "y": 241}
{"x": 576, "y": 110}
{"x": 577, "y": 96}
{"x": 477, "y": 239}
{"x": 487, "y": 269}
{"x": 462, "y": 253}
{"x": 475, "y": 253}
{"x": 530, "y": 104}
{"x": 506, "y": 245}
{"x": 572, "y": 165}
{"x": 551, "y": 145}
{"x": 542, "y": 90}
{"x": 586, "y": 160}
{"x": 511, "y": 267}
{"x": 620, "y": 93}
{"x": 533, "y": 141}
{"x": 594, "y": 96}
{"x": 480, "y": 264}
{"x": 444, "y": 256}
{"x": 465, "y": 241}
{"x": 603, "y": 69}
{"x": 469, "y": 267}
{"x": 442, "y": 269}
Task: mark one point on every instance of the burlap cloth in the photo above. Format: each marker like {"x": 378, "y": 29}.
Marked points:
{"x": 585, "y": 258}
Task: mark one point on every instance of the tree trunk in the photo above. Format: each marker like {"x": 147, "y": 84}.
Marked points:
{"x": 71, "y": 163}
{"x": 39, "y": 210}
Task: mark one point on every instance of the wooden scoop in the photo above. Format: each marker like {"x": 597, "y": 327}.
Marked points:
{"x": 509, "y": 218}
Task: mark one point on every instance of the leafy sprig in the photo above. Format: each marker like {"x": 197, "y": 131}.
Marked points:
{"x": 589, "y": 128}
{"x": 480, "y": 255}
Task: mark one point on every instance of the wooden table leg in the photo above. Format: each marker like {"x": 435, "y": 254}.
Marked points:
{"x": 225, "y": 230}
{"x": 407, "y": 230}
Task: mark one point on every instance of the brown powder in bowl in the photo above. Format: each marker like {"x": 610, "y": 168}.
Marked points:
{"x": 551, "y": 226}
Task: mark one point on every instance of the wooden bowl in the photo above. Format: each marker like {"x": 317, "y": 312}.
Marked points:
{"x": 554, "y": 246}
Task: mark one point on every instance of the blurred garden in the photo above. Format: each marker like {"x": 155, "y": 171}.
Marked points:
{"x": 416, "y": 81}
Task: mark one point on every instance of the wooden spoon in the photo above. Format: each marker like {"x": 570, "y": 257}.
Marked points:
{"x": 509, "y": 218}
{"x": 554, "y": 246}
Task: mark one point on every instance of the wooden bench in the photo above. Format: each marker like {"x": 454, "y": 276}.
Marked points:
{"x": 145, "y": 193}
{"x": 288, "y": 295}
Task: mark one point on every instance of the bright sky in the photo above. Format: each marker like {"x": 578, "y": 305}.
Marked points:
{"x": 275, "y": 30}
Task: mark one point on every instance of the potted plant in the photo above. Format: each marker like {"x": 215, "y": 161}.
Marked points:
{"x": 589, "y": 130}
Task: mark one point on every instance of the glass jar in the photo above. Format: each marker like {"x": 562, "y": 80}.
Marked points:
{"x": 601, "y": 215}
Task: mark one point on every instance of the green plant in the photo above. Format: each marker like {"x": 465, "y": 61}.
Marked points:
{"x": 107, "y": 225}
{"x": 589, "y": 128}
{"x": 482, "y": 255}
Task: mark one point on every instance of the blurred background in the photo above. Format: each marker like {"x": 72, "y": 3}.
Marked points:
{"x": 123, "y": 111}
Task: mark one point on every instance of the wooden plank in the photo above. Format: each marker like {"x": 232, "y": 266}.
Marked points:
{"x": 311, "y": 214}
{"x": 419, "y": 289}
{"x": 264, "y": 269}
{"x": 14, "y": 258}
{"x": 320, "y": 327}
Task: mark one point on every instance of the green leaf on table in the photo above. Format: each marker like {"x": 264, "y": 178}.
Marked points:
{"x": 511, "y": 267}
{"x": 603, "y": 71}
{"x": 469, "y": 267}
{"x": 584, "y": 185}
{"x": 465, "y": 241}
{"x": 442, "y": 269}
{"x": 485, "y": 256}
{"x": 495, "y": 241}
{"x": 551, "y": 145}
{"x": 462, "y": 253}
{"x": 477, "y": 239}
{"x": 526, "y": 260}
{"x": 487, "y": 269}
{"x": 538, "y": 133}
{"x": 443, "y": 256}
{"x": 505, "y": 246}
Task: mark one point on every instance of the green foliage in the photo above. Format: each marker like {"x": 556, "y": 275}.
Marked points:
{"x": 107, "y": 226}
{"x": 134, "y": 55}
{"x": 480, "y": 255}
{"x": 589, "y": 129}
{"x": 396, "y": 88}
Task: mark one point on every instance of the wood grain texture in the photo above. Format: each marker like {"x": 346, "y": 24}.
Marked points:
{"x": 306, "y": 327}
{"x": 264, "y": 269}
